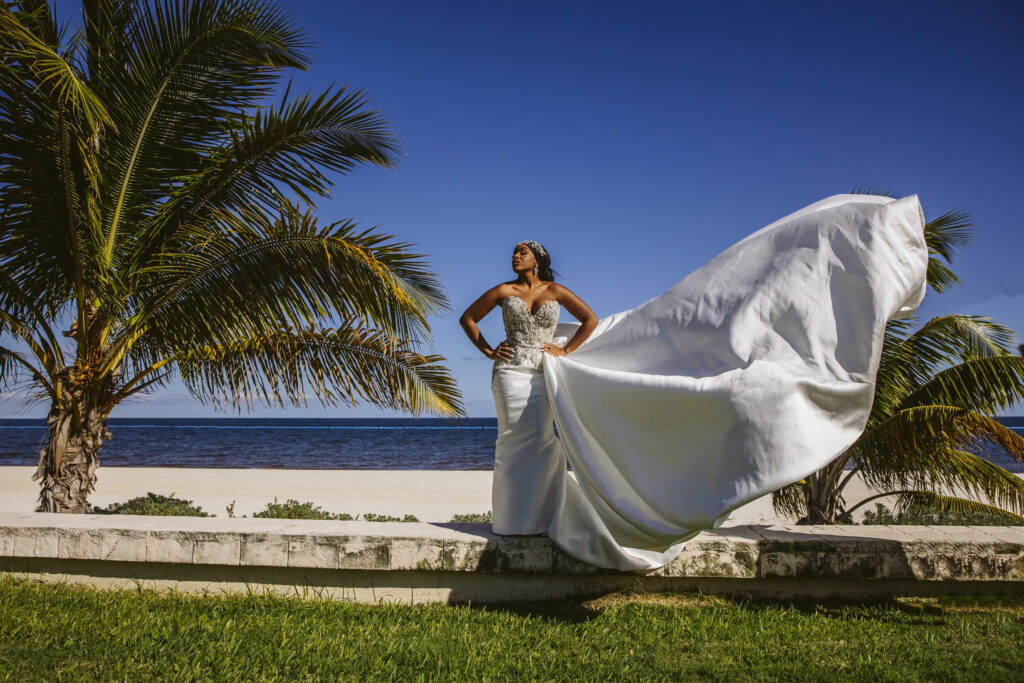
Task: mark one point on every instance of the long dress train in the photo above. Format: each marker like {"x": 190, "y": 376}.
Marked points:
{"x": 750, "y": 374}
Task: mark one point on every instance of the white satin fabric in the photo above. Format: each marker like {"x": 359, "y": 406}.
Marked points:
{"x": 529, "y": 462}
{"x": 750, "y": 374}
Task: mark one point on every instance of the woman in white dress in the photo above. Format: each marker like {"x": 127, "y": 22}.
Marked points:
{"x": 529, "y": 463}
{"x": 749, "y": 374}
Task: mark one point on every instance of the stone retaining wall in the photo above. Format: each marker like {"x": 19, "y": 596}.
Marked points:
{"x": 414, "y": 562}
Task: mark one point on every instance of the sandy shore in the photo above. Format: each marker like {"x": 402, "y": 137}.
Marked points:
{"x": 430, "y": 495}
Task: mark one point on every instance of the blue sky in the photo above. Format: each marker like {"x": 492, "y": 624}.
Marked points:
{"x": 637, "y": 140}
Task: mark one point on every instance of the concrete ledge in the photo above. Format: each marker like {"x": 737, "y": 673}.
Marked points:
{"x": 411, "y": 562}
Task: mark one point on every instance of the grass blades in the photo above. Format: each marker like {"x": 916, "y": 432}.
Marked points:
{"x": 59, "y": 632}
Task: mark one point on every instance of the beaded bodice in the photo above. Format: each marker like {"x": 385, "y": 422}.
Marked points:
{"x": 527, "y": 332}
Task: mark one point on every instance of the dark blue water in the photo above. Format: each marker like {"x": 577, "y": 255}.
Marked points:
{"x": 340, "y": 443}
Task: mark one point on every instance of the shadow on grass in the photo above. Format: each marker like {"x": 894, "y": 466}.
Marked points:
{"x": 908, "y": 611}
{"x": 561, "y": 611}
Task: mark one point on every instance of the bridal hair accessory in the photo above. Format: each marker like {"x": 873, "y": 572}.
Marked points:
{"x": 536, "y": 247}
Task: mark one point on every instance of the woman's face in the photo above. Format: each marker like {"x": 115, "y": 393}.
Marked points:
{"x": 523, "y": 259}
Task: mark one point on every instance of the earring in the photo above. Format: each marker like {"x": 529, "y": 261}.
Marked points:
{"x": 535, "y": 270}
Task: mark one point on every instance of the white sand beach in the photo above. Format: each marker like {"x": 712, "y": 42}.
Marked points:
{"x": 430, "y": 495}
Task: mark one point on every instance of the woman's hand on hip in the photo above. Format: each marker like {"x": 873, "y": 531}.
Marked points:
{"x": 503, "y": 352}
{"x": 554, "y": 350}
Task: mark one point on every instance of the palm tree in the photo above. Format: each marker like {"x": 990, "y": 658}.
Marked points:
{"x": 937, "y": 391}
{"x": 144, "y": 191}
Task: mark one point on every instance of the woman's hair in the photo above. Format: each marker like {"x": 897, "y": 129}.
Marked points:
{"x": 544, "y": 270}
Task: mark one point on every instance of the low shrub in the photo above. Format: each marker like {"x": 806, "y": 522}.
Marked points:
{"x": 293, "y": 509}
{"x": 370, "y": 517}
{"x": 154, "y": 504}
{"x": 473, "y": 518}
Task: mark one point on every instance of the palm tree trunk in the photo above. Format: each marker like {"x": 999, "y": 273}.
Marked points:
{"x": 70, "y": 458}
{"x": 824, "y": 497}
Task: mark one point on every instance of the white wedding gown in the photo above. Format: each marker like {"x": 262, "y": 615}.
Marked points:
{"x": 750, "y": 374}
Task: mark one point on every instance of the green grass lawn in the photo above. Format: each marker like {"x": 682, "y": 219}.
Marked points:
{"x": 61, "y": 632}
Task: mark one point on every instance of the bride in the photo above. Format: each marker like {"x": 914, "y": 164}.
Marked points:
{"x": 528, "y": 461}
{"x": 749, "y": 374}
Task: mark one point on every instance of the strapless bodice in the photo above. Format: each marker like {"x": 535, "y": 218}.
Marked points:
{"x": 527, "y": 332}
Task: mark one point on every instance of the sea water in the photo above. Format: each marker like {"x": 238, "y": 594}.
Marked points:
{"x": 290, "y": 443}
{"x": 299, "y": 443}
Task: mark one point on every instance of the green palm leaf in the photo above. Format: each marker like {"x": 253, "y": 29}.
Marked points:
{"x": 198, "y": 64}
{"x": 791, "y": 500}
{"x": 255, "y": 275}
{"x": 931, "y": 500}
{"x": 280, "y": 149}
{"x": 945, "y": 236}
{"x": 982, "y": 384}
{"x": 910, "y": 360}
{"x": 923, "y": 444}
{"x": 877, "y": 190}
{"x": 49, "y": 68}
{"x": 48, "y": 166}
{"x": 344, "y": 365}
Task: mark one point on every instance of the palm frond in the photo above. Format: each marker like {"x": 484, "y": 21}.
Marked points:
{"x": 791, "y": 500}
{"x": 960, "y": 337}
{"x": 255, "y": 275}
{"x": 940, "y": 277}
{"x": 986, "y": 385}
{"x": 954, "y": 471}
{"x": 945, "y": 236}
{"x": 14, "y": 364}
{"x": 193, "y": 67}
{"x": 910, "y": 359}
{"x": 893, "y": 381}
{"x": 280, "y": 149}
{"x": 923, "y": 443}
{"x": 344, "y": 365}
{"x": 876, "y": 190}
{"x": 930, "y": 500}
{"x": 949, "y": 233}
{"x": 46, "y": 145}
{"x": 289, "y": 145}
{"x": 50, "y": 69}
{"x": 26, "y": 334}
{"x": 16, "y": 305}
{"x": 108, "y": 29}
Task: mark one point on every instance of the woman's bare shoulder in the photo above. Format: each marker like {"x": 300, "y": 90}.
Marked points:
{"x": 560, "y": 290}
{"x": 500, "y": 291}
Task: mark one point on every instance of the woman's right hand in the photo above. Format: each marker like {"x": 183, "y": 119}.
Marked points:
{"x": 503, "y": 352}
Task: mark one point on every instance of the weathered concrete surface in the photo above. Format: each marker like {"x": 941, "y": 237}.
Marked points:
{"x": 450, "y": 562}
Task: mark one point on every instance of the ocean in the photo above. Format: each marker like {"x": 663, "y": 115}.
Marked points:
{"x": 297, "y": 443}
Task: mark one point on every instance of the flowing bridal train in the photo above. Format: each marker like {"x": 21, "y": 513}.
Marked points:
{"x": 750, "y": 374}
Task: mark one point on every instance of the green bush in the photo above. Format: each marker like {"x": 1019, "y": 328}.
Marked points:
{"x": 934, "y": 517}
{"x": 473, "y": 518}
{"x": 370, "y": 517}
{"x": 153, "y": 504}
{"x": 293, "y": 509}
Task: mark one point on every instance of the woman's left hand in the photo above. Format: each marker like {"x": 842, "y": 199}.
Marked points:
{"x": 553, "y": 350}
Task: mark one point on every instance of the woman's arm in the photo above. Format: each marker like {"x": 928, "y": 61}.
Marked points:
{"x": 475, "y": 313}
{"x": 579, "y": 310}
